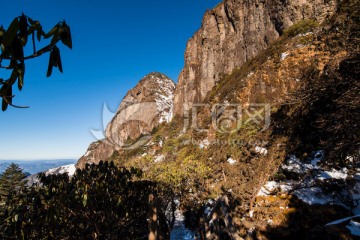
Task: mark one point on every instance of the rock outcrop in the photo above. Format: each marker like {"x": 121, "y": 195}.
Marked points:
{"x": 144, "y": 107}
{"x": 233, "y": 33}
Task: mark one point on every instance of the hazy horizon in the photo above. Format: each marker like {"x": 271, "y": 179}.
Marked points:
{"x": 36, "y": 166}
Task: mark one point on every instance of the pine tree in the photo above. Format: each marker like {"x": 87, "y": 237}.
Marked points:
{"x": 10, "y": 182}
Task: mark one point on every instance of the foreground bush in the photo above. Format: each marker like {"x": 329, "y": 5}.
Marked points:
{"x": 100, "y": 202}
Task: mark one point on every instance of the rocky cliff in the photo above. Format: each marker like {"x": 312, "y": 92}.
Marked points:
{"x": 233, "y": 33}
{"x": 144, "y": 107}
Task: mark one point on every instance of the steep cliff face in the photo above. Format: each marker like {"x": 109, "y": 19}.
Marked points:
{"x": 144, "y": 107}
{"x": 232, "y": 33}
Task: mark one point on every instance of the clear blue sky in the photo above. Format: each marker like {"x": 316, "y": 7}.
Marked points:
{"x": 115, "y": 43}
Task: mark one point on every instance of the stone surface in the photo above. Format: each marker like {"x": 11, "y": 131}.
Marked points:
{"x": 144, "y": 107}
{"x": 234, "y": 32}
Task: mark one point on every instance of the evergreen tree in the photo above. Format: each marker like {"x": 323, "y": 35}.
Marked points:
{"x": 10, "y": 182}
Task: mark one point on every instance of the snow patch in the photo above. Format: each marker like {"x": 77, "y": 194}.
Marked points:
{"x": 87, "y": 154}
{"x": 204, "y": 144}
{"x": 69, "y": 169}
{"x": 284, "y": 55}
{"x": 306, "y": 34}
{"x": 164, "y": 100}
{"x": 179, "y": 230}
{"x": 354, "y": 228}
{"x": 333, "y": 174}
{"x": 313, "y": 195}
{"x": 341, "y": 220}
{"x": 270, "y": 187}
{"x": 159, "y": 158}
{"x": 319, "y": 155}
{"x": 261, "y": 150}
{"x": 231, "y": 161}
{"x": 250, "y": 74}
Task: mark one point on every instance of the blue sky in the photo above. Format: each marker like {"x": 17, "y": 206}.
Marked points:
{"x": 115, "y": 43}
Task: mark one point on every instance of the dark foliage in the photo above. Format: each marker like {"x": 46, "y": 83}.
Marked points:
{"x": 100, "y": 202}
{"x": 13, "y": 41}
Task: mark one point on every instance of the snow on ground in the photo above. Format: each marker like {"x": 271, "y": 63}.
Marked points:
{"x": 270, "y": 187}
{"x": 159, "y": 158}
{"x": 69, "y": 169}
{"x": 231, "y": 161}
{"x": 341, "y": 220}
{"x": 333, "y": 174}
{"x": 308, "y": 189}
{"x": 354, "y": 228}
{"x": 261, "y": 150}
{"x": 179, "y": 231}
{"x": 204, "y": 144}
{"x": 164, "y": 100}
{"x": 313, "y": 195}
{"x": 284, "y": 56}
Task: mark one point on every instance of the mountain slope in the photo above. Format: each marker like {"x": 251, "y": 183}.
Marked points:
{"x": 281, "y": 99}
{"x": 233, "y": 33}
{"x": 143, "y": 108}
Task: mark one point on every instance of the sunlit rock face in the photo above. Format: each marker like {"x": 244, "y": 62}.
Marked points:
{"x": 234, "y": 32}
{"x": 147, "y": 105}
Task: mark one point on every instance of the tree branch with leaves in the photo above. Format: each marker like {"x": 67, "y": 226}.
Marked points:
{"x": 13, "y": 41}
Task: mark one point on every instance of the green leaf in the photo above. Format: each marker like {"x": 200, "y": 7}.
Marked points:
{"x": 11, "y": 32}
{"x": 58, "y": 59}
{"x": 85, "y": 198}
{"x": 17, "y": 49}
{"x": 21, "y": 73}
{"x": 39, "y": 32}
{"x": 50, "y": 66}
{"x": 9, "y": 94}
{"x": 55, "y": 54}
{"x": 13, "y": 77}
{"x": 55, "y": 38}
{"x": 23, "y": 27}
{"x": 4, "y": 105}
{"x": 65, "y": 35}
{"x": 2, "y": 33}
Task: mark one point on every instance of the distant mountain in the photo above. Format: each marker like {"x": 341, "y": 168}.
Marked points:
{"x": 36, "y": 166}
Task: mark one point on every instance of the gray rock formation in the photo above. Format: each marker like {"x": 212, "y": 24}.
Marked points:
{"x": 234, "y": 32}
{"x": 144, "y": 107}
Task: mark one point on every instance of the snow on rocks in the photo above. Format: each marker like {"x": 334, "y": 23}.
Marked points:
{"x": 231, "y": 161}
{"x": 333, "y": 174}
{"x": 164, "y": 99}
{"x": 284, "y": 55}
{"x": 179, "y": 230}
{"x": 313, "y": 195}
{"x": 261, "y": 150}
{"x": 69, "y": 169}
{"x": 310, "y": 183}
{"x": 159, "y": 158}
{"x": 354, "y": 228}
{"x": 272, "y": 186}
{"x": 204, "y": 144}
{"x": 319, "y": 155}
{"x": 352, "y": 224}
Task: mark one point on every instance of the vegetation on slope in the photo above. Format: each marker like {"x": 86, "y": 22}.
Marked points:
{"x": 99, "y": 202}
